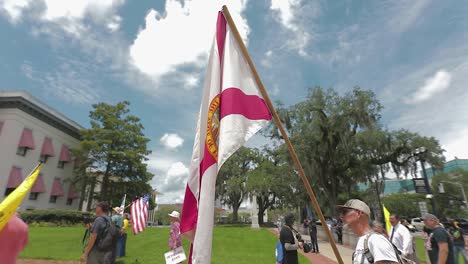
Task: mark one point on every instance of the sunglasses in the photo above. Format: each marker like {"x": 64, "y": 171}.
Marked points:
{"x": 345, "y": 211}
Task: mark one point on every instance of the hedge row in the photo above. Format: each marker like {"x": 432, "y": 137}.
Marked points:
{"x": 62, "y": 217}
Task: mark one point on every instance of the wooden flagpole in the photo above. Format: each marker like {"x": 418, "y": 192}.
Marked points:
{"x": 278, "y": 123}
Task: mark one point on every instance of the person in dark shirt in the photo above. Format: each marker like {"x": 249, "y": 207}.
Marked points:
{"x": 288, "y": 241}
{"x": 313, "y": 236}
{"x": 91, "y": 254}
{"x": 441, "y": 248}
{"x": 458, "y": 241}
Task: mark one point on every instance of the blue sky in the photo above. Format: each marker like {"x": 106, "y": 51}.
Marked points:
{"x": 413, "y": 54}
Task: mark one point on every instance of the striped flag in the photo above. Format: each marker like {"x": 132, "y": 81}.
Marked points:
{"x": 139, "y": 214}
{"x": 232, "y": 110}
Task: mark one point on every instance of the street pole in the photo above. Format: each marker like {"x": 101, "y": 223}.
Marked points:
{"x": 462, "y": 189}
{"x": 428, "y": 188}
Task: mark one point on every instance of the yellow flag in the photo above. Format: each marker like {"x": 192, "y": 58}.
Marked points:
{"x": 386, "y": 213}
{"x": 13, "y": 200}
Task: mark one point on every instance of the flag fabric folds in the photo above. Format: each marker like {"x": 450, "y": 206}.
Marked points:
{"x": 232, "y": 111}
{"x": 388, "y": 225}
{"x": 122, "y": 205}
{"x": 9, "y": 205}
{"x": 139, "y": 214}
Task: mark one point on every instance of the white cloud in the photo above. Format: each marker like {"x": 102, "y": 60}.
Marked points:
{"x": 69, "y": 15}
{"x": 285, "y": 9}
{"x": 297, "y": 16}
{"x": 68, "y": 82}
{"x": 456, "y": 146}
{"x": 432, "y": 86}
{"x": 171, "y": 141}
{"x": 180, "y": 35}
{"x": 191, "y": 81}
{"x": 14, "y": 8}
{"x": 406, "y": 14}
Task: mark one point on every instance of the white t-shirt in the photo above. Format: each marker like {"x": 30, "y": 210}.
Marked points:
{"x": 379, "y": 247}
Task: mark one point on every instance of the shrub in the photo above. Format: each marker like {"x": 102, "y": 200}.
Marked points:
{"x": 56, "y": 217}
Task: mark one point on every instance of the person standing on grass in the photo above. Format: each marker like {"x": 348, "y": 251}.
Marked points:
{"x": 355, "y": 214}
{"x": 13, "y": 239}
{"x": 288, "y": 241}
{"x": 174, "y": 236}
{"x": 91, "y": 254}
{"x": 441, "y": 249}
{"x": 124, "y": 235}
{"x": 117, "y": 220}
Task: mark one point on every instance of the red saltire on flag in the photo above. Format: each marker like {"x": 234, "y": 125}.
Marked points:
{"x": 232, "y": 110}
{"x": 139, "y": 214}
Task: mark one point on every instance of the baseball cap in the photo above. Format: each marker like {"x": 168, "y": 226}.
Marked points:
{"x": 357, "y": 205}
{"x": 429, "y": 217}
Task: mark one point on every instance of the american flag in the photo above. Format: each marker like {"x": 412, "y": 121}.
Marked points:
{"x": 139, "y": 214}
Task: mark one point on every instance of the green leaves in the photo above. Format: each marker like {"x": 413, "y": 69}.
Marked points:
{"x": 116, "y": 147}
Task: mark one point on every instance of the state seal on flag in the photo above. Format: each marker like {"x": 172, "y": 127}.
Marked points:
{"x": 212, "y": 129}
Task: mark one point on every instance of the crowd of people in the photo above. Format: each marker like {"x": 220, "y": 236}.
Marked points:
{"x": 444, "y": 243}
{"x": 97, "y": 251}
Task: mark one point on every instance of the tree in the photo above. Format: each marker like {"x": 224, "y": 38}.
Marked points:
{"x": 404, "y": 204}
{"x": 267, "y": 181}
{"x": 230, "y": 184}
{"x": 115, "y": 148}
{"x": 323, "y": 129}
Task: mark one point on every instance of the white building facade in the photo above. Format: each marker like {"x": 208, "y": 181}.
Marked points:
{"x": 31, "y": 131}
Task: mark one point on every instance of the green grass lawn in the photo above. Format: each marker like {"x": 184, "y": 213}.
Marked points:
{"x": 230, "y": 245}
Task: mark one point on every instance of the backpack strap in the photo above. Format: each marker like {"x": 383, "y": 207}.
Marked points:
{"x": 366, "y": 253}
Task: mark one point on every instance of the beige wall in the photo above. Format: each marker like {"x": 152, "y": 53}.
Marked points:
{"x": 14, "y": 122}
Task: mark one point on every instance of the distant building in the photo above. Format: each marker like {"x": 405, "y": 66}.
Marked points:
{"x": 407, "y": 186}
{"x": 31, "y": 131}
{"x": 449, "y": 166}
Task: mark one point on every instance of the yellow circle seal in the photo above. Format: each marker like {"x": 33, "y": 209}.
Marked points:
{"x": 212, "y": 131}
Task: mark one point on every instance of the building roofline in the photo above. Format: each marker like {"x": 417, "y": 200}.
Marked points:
{"x": 35, "y": 107}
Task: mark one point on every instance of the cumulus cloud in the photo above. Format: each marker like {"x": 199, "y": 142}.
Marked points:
{"x": 432, "y": 86}
{"x": 14, "y": 8}
{"x": 171, "y": 182}
{"x": 297, "y": 17}
{"x": 180, "y": 35}
{"x": 171, "y": 141}
{"x": 69, "y": 15}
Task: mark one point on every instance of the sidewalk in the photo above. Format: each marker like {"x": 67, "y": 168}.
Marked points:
{"x": 326, "y": 255}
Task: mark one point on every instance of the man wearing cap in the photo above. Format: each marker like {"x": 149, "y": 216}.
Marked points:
{"x": 441, "y": 251}
{"x": 355, "y": 214}
{"x": 174, "y": 237}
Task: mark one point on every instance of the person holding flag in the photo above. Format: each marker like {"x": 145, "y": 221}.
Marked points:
{"x": 13, "y": 231}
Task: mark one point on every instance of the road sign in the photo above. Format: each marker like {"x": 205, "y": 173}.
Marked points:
{"x": 419, "y": 185}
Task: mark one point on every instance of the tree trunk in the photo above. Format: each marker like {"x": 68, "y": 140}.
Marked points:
{"x": 235, "y": 209}
{"x": 105, "y": 184}
{"x": 83, "y": 192}
{"x": 91, "y": 194}
{"x": 261, "y": 210}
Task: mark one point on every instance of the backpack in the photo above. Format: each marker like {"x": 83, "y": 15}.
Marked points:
{"x": 401, "y": 259}
{"x": 279, "y": 252}
{"x": 108, "y": 237}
